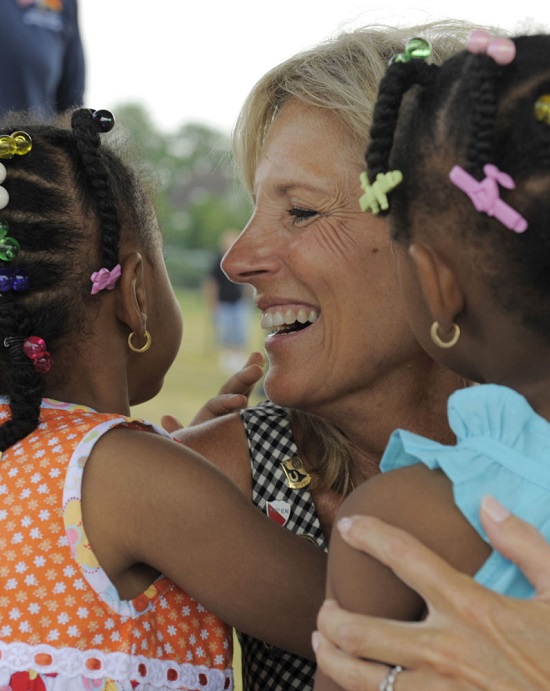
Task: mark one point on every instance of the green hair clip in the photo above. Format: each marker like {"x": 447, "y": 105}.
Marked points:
{"x": 9, "y": 247}
{"x": 375, "y": 198}
{"x": 415, "y": 49}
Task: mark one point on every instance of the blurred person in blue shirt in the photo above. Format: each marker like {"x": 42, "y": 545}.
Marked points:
{"x": 42, "y": 66}
{"x": 229, "y": 305}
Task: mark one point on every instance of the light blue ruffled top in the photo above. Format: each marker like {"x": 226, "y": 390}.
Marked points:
{"x": 502, "y": 449}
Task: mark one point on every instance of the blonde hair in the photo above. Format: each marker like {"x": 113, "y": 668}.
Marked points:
{"x": 341, "y": 74}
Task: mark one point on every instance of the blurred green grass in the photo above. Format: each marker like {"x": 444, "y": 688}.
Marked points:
{"x": 195, "y": 377}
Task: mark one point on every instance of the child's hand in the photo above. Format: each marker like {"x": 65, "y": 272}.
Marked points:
{"x": 232, "y": 396}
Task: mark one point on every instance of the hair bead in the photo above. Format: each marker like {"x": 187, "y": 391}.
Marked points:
{"x": 18, "y": 143}
{"x": 104, "y": 120}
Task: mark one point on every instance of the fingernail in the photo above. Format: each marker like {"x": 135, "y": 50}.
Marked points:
{"x": 494, "y": 509}
{"x": 344, "y": 524}
{"x": 315, "y": 641}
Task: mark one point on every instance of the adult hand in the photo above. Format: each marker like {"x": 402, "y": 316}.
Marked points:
{"x": 471, "y": 639}
{"x": 232, "y": 396}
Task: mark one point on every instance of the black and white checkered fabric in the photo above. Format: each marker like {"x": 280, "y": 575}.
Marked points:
{"x": 266, "y": 668}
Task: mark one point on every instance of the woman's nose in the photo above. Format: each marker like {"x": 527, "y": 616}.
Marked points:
{"x": 253, "y": 254}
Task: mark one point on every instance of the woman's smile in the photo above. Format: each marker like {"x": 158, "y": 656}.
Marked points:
{"x": 287, "y": 319}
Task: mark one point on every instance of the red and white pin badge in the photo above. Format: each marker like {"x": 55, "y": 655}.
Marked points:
{"x": 278, "y": 510}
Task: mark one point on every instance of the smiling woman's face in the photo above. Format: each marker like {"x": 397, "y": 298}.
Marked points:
{"x": 321, "y": 266}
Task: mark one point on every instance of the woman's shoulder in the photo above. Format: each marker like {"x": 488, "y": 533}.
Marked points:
{"x": 211, "y": 436}
{"x": 224, "y": 443}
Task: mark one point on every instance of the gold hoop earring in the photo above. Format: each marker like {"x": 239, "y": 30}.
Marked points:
{"x": 143, "y": 347}
{"x": 437, "y": 339}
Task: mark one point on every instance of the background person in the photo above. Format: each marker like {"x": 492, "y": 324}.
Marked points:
{"x": 230, "y": 308}
{"x": 339, "y": 348}
{"x": 42, "y": 66}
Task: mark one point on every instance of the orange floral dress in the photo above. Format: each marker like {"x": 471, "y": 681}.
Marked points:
{"x": 63, "y": 626}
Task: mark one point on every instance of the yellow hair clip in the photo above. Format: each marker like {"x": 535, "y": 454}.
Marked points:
{"x": 375, "y": 198}
{"x": 542, "y": 109}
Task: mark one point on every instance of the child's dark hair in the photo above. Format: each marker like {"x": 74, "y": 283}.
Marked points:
{"x": 471, "y": 112}
{"x": 70, "y": 198}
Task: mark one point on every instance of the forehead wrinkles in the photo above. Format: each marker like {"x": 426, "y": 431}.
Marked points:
{"x": 309, "y": 146}
{"x": 333, "y": 185}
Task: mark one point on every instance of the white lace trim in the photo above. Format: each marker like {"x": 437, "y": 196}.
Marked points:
{"x": 95, "y": 664}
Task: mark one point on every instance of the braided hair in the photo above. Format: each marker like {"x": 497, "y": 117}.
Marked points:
{"x": 470, "y": 112}
{"x": 69, "y": 199}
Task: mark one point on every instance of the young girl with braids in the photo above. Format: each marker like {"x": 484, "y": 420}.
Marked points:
{"x": 460, "y": 162}
{"x": 111, "y": 533}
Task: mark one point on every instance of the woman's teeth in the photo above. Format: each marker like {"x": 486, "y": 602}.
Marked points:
{"x": 288, "y": 320}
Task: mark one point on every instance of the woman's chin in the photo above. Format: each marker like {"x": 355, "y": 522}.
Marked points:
{"x": 282, "y": 389}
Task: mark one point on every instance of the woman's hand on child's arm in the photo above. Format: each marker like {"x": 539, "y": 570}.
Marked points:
{"x": 232, "y": 396}
{"x": 360, "y": 582}
{"x": 472, "y": 638}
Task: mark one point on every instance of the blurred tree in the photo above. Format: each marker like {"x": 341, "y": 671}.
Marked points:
{"x": 197, "y": 194}
{"x": 204, "y": 186}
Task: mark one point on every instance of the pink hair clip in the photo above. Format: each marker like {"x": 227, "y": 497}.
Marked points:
{"x": 105, "y": 279}
{"x": 502, "y": 50}
{"x": 485, "y": 195}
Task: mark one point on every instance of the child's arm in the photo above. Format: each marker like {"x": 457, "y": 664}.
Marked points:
{"x": 419, "y": 500}
{"x": 150, "y": 501}
{"x": 472, "y": 637}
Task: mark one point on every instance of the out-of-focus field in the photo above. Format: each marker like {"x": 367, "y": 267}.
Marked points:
{"x": 195, "y": 377}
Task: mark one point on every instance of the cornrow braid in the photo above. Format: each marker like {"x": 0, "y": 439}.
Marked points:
{"x": 24, "y": 384}
{"x": 65, "y": 197}
{"x": 38, "y": 216}
{"x": 480, "y": 112}
{"x": 87, "y": 135}
{"x": 399, "y": 78}
{"x": 481, "y": 74}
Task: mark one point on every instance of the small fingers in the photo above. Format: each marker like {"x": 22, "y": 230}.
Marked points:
{"x": 243, "y": 381}
{"x": 170, "y": 423}
{"x": 218, "y": 406}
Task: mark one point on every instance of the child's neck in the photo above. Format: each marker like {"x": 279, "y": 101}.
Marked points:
{"x": 522, "y": 364}
{"x": 97, "y": 396}
{"x": 536, "y": 392}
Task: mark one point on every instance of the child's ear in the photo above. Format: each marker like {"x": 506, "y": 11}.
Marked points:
{"x": 131, "y": 306}
{"x": 438, "y": 282}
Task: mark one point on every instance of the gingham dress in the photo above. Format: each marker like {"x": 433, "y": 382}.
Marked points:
{"x": 266, "y": 668}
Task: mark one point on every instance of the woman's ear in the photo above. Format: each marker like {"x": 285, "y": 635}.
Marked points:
{"x": 438, "y": 283}
{"x": 131, "y": 306}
